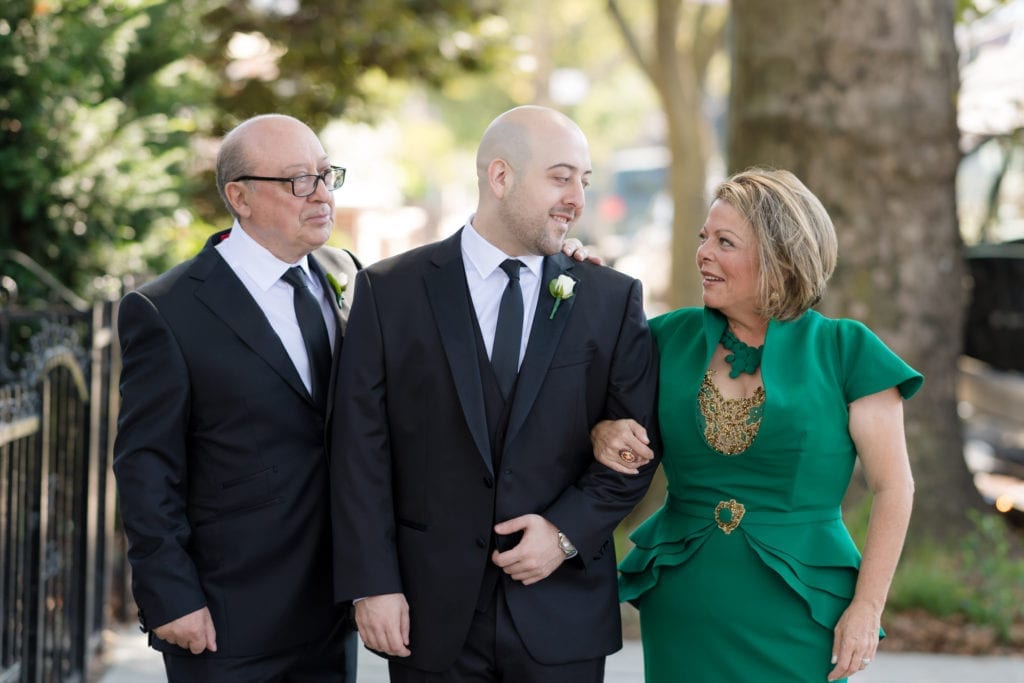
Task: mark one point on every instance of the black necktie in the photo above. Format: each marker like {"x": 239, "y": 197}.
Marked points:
{"x": 314, "y": 333}
{"x": 508, "y": 334}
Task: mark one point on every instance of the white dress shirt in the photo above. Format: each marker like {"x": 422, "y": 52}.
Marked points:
{"x": 487, "y": 282}
{"x": 260, "y": 272}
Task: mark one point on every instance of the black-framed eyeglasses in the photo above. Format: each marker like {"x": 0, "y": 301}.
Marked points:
{"x": 305, "y": 185}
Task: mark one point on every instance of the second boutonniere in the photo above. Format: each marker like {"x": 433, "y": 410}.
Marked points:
{"x": 561, "y": 288}
{"x": 339, "y": 283}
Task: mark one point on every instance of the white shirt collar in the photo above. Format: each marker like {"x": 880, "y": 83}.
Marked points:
{"x": 264, "y": 268}
{"x": 485, "y": 258}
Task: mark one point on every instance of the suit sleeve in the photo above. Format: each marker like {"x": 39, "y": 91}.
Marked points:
{"x": 150, "y": 464}
{"x": 588, "y": 512}
{"x": 362, "y": 508}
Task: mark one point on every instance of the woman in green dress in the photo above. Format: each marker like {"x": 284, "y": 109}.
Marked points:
{"x": 747, "y": 572}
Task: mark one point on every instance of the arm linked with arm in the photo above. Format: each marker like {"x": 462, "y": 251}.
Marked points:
{"x": 590, "y": 510}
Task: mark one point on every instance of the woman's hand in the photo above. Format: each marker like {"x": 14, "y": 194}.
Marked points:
{"x": 574, "y": 249}
{"x": 855, "y": 641}
{"x": 621, "y": 445}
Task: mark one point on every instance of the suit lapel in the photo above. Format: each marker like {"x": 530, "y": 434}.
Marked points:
{"x": 449, "y": 299}
{"x": 224, "y": 294}
{"x": 339, "y": 328}
{"x": 339, "y": 323}
{"x": 544, "y": 338}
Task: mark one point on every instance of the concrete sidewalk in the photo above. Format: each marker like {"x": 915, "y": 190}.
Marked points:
{"x": 131, "y": 661}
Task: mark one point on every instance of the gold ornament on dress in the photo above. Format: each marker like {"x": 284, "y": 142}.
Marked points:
{"x": 736, "y": 512}
{"x": 730, "y": 423}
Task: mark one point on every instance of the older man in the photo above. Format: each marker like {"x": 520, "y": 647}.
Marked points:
{"x": 220, "y": 453}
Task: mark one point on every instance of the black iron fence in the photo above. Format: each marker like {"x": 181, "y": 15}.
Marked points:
{"x": 62, "y": 573}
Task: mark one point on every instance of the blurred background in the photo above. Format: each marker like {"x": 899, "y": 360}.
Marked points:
{"x": 905, "y": 118}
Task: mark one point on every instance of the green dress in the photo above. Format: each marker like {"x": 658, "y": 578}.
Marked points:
{"x": 725, "y": 597}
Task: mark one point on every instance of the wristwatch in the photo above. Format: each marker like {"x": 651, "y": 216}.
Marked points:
{"x": 566, "y": 545}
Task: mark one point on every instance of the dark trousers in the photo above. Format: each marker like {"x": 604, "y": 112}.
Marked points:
{"x": 494, "y": 653}
{"x": 333, "y": 662}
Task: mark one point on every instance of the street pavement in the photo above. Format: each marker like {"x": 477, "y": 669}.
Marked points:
{"x": 129, "y": 660}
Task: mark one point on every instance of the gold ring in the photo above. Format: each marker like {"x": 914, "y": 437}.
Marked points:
{"x": 627, "y": 456}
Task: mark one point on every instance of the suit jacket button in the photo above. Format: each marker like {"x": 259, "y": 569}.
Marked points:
{"x": 488, "y": 482}
{"x": 481, "y": 543}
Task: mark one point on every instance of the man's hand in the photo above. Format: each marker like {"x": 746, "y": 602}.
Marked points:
{"x": 536, "y": 555}
{"x": 194, "y": 632}
{"x": 383, "y": 622}
{"x": 574, "y": 249}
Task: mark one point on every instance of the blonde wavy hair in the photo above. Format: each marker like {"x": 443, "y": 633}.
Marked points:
{"x": 796, "y": 241}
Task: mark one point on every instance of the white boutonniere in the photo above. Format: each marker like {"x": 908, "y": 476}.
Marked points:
{"x": 561, "y": 288}
{"x": 339, "y": 283}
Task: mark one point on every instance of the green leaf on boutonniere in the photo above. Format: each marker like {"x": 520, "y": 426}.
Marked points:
{"x": 339, "y": 284}
{"x": 561, "y": 288}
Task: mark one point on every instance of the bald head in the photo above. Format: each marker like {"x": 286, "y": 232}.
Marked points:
{"x": 246, "y": 142}
{"x": 514, "y": 136}
{"x": 256, "y": 168}
{"x": 533, "y": 166}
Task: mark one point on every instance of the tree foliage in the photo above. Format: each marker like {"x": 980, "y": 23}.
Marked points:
{"x": 98, "y": 100}
{"x": 319, "y": 59}
{"x": 107, "y": 106}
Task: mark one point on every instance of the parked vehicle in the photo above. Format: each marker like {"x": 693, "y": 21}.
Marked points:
{"x": 990, "y": 387}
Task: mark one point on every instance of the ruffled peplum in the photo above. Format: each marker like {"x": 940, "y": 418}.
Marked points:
{"x": 810, "y": 550}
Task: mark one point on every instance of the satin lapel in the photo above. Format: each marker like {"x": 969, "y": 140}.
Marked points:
{"x": 449, "y": 300}
{"x": 339, "y": 330}
{"x": 544, "y": 338}
{"x": 224, "y": 294}
{"x": 332, "y": 298}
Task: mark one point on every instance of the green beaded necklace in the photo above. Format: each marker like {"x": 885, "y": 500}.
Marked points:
{"x": 744, "y": 358}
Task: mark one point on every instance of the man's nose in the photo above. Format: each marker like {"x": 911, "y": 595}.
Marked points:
{"x": 576, "y": 196}
{"x": 321, "y": 192}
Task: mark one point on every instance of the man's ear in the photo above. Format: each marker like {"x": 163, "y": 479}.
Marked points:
{"x": 238, "y": 196}
{"x": 500, "y": 177}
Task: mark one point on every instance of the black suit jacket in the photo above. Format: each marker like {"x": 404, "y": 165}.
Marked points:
{"x": 220, "y": 462}
{"x": 415, "y": 491}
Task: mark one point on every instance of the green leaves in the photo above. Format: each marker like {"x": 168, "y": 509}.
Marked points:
{"x": 109, "y": 108}
{"x": 96, "y": 117}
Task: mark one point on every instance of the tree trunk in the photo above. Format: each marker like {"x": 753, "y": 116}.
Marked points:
{"x": 678, "y": 85}
{"x": 676, "y": 68}
{"x": 857, "y": 97}
{"x": 675, "y": 58}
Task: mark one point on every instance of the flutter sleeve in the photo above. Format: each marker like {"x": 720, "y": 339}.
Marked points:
{"x": 869, "y": 366}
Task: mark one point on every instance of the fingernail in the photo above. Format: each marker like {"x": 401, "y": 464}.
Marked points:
{"x": 834, "y": 659}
